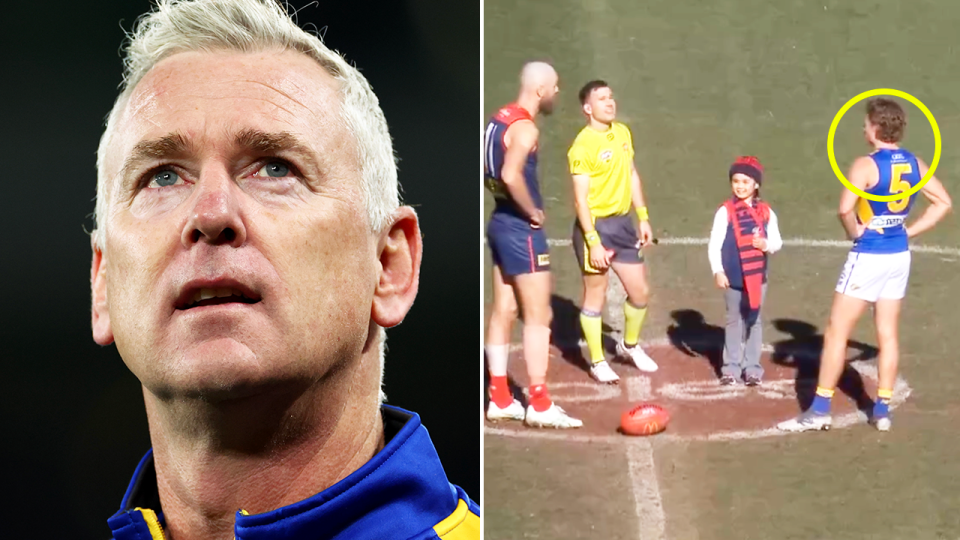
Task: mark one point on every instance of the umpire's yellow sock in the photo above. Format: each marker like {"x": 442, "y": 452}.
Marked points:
{"x": 592, "y": 326}
{"x": 633, "y": 321}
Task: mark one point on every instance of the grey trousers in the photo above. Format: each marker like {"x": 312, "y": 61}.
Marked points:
{"x": 742, "y": 345}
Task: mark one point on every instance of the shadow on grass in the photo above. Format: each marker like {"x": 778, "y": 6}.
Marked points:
{"x": 691, "y": 334}
{"x": 802, "y": 351}
{"x": 566, "y": 333}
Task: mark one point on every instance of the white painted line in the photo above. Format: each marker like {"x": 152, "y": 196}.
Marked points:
{"x": 646, "y": 490}
{"x": 554, "y": 435}
{"x": 795, "y": 242}
{"x": 709, "y": 390}
{"x": 638, "y": 388}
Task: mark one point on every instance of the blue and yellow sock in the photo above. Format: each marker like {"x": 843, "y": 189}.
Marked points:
{"x": 821, "y": 401}
{"x": 633, "y": 316}
{"x": 592, "y": 326}
{"x": 881, "y": 408}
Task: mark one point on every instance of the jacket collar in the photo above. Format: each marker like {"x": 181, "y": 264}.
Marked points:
{"x": 400, "y": 493}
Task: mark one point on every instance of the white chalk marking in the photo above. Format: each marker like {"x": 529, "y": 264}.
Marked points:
{"x": 638, "y": 388}
{"x": 646, "y": 490}
{"x": 711, "y": 391}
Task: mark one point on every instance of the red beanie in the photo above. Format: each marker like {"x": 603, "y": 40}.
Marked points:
{"x": 749, "y": 166}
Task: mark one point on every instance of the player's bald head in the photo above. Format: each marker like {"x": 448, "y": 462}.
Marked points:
{"x": 539, "y": 80}
{"x": 536, "y": 74}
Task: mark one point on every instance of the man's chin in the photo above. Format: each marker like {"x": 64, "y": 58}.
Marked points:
{"x": 216, "y": 370}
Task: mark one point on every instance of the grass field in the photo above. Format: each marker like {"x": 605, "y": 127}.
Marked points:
{"x": 700, "y": 82}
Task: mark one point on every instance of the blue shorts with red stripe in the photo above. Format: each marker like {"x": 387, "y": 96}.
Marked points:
{"x": 517, "y": 247}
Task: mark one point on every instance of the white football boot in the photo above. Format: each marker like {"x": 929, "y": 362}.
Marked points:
{"x": 638, "y": 356}
{"x": 808, "y": 421}
{"x": 554, "y": 417}
{"x": 882, "y": 423}
{"x": 514, "y": 411}
{"x": 603, "y": 373}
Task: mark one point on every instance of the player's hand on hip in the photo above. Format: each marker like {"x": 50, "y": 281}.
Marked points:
{"x": 861, "y": 228}
{"x": 722, "y": 281}
{"x": 760, "y": 243}
{"x": 599, "y": 257}
{"x": 646, "y": 233}
{"x": 536, "y": 218}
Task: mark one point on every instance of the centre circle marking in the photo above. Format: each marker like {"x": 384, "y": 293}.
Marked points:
{"x": 884, "y": 92}
{"x": 710, "y": 390}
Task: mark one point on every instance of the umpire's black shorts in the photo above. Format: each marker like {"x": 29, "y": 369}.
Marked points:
{"x": 617, "y": 234}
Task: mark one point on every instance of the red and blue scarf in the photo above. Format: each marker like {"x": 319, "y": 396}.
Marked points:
{"x": 750, "y": 221}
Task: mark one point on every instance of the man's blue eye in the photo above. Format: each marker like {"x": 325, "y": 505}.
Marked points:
{"x": 166, "y": 178}
{"x": 274, "y": 170}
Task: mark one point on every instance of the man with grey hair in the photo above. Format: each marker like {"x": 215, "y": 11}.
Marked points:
{"x": 249, "y": 249}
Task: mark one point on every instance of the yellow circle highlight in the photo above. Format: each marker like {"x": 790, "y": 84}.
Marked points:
{"x": 884, "y": 92}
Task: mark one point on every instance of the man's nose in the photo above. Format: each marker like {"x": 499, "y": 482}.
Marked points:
{"x": 215, "y": 217}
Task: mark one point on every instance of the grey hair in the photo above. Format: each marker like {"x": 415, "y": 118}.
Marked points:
{"x": 176, "y": 26}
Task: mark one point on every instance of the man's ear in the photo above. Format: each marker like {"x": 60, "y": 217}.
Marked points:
{"x": 400, "y": 251}
{"x": 100, "y": 314}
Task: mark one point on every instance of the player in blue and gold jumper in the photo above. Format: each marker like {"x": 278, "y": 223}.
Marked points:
{"x": 519, "y": 248}
{"x": 878, "y": 266}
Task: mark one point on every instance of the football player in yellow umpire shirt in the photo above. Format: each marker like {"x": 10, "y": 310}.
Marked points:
{"x": 606, "y": 184}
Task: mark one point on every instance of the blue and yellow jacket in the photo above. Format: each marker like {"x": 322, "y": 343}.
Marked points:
{"x": 402, "y": 492}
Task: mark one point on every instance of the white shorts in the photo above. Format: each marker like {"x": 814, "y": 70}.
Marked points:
{"x": 872, "y": 276}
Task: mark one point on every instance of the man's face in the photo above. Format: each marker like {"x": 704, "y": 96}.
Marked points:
{"x": 549, "y": 97}
{"x": 237, "y": 252}
{"x": 601, "y": 105}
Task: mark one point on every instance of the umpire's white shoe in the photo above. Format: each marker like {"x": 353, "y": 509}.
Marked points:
{"x": 603, "y": 373}
{"x": 554, "y": 417}
{"x": 636, "y": 354}
{"x": 514, "y": 411}
{"x": 808, "y": 421}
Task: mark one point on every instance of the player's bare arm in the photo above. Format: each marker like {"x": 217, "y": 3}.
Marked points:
{"x": 863, "y": 174}
{"x": 581, "y": 187}
{"x": 520, "y": 138}
{"x": 636, "y": 193}
{"x": 940, "y": 203}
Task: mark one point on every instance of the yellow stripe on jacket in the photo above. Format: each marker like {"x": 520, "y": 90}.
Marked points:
{"x": 462, "y": 524}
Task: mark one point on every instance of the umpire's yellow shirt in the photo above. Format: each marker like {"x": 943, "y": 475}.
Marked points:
{"x": 606, "y": 157}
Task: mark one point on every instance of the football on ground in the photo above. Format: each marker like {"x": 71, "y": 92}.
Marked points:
{"x": 644, "y": 419}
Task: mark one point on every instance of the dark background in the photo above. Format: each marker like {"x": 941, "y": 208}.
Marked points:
{"x": 73, "y": 420}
